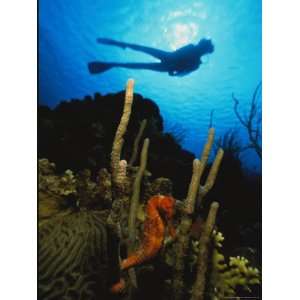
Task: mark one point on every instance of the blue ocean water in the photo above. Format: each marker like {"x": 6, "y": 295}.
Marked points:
{"x": 68, "y": 30}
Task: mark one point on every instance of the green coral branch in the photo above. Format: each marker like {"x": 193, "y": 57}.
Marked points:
{"x": 134, "y": 201}
{"x": 194, "y": 186}
{"x": 207, "y": 147}
{"x": 211, "y": 178}
{"x": 182, "y": 243}
{"x": 203, "y": 256}
{"x": 134, "y": 205}
{"x": 137, "y": 143}
{"x": 183, "y": 236}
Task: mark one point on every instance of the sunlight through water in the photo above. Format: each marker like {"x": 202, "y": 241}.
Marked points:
{"x": 69, "y": 29}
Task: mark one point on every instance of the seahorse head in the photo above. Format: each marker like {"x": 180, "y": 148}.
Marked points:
{"x": 166, "y": 206}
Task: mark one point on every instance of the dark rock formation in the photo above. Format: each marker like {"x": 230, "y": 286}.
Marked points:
{"x": 79, "y": 134}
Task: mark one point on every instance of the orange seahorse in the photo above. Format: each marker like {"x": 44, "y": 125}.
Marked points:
{"x": 159, "y": 214}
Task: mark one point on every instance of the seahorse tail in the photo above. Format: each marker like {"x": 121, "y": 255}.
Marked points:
{"x": 140, "y": 256}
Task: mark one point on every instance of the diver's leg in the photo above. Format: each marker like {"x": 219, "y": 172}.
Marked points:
{"x": 97, "y": 67}
{"x": 159, "y": 67}
{"x": 157, "y": 53}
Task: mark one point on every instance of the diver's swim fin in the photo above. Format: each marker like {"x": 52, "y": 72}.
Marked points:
{"x": 99, "y": 67}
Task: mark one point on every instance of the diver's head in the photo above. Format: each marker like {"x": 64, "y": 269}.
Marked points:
{"x": 205, "y": 46}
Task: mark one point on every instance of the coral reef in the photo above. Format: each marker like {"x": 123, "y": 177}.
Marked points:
{"x": 79, "y": 134}
{"x": 123, "y": 215}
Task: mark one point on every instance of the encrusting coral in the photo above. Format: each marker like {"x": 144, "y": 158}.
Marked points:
{"x": 125, "y": 209}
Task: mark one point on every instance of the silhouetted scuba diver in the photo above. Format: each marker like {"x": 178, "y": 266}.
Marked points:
{"x": 177, "y": 63}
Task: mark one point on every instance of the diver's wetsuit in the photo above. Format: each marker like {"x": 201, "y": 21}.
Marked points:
{"x": 177, "y": 63}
